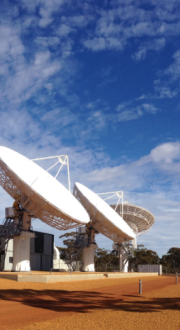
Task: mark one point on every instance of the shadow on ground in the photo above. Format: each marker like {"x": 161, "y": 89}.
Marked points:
{"x": 84, "y": 301}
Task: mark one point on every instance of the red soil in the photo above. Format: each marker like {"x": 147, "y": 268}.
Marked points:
{"x": 86, "y": 304}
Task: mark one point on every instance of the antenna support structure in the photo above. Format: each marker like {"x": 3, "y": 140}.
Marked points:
{"x": 118, "y": 194}
{"x": 85, "y": 243}
{"x": 17, "y": 226}
{"x": 86, "y": 236}
{"x": 62, "y": 160}
{"x": 125, "y": 250}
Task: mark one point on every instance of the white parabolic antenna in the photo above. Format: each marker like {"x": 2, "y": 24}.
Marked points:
{"x": 39, "y": 192}
{"x": 104, "y": 219}
{"x": 138, "y": 218}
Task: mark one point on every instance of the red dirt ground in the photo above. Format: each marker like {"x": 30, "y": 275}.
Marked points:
{"x": 99, "y": 304}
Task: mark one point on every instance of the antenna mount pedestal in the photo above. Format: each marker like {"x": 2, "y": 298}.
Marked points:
{"x": 21, "y": 252}
{"x": 126, "y": 252}
{"x": 88, "y": 252}
{"x": 89, "y": 248}
{"x": 20, "y": 230}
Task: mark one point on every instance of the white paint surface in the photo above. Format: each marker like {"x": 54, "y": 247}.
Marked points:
{"x": 88, "y": 258}
{"x": 102, "y": 212}
{"x": 42, "y": 186}
{"x": 21, "y": 252}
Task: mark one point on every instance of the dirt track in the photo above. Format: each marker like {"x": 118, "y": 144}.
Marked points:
{"x": 98, "y": 304}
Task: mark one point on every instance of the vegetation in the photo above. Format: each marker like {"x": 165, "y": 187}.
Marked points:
{"x": 70, "y": 254}
{"x": 108, "y": 260}
{"x": 143, "y": 256}
{"x": 68, "y": 242}
{"x": 171, "y": 261}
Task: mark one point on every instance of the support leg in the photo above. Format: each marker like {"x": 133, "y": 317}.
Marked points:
{"x": 88, "y": 258}
{"x": 21, "y": 252}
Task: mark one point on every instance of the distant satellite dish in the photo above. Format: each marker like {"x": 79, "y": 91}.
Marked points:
{"x": 39, "y": 192}
{"x": 138, "y": 218}
{"x": 104, "y": 219}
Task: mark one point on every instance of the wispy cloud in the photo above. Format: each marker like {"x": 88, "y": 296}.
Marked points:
{"x": 129, "y": 111}
{"x": 174, "y": 69}
{"x": 164, "y": 158}
{"x": 156, "y": 45}
{"x": 167, "y": 84}
{"x": 45, "y": 8}
{"x": 116, "y": 26}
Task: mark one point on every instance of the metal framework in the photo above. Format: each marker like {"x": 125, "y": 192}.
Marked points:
{"x": 113, "y": 194}
{"x": 7, "y": 231}
{"x": 119, "y": 239}
{"x": 138, "y": 218}
{"x": 99, "y": 226}
{"x": 33, "y": 202}
{"x": 63, "y": 160}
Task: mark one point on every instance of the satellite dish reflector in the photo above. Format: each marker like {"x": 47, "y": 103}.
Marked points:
{"x": 39, "y": 192}
{"x": 104, "y": 219}
{"x": 138, "y": 218}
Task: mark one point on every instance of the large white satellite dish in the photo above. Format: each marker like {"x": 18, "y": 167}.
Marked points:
{"x": 40, "y": 193}
{"x": 104, "y": 219}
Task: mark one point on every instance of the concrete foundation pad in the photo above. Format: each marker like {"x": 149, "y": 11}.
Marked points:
{"x": 130, "y": 275}
{"x": 52, "y": 278}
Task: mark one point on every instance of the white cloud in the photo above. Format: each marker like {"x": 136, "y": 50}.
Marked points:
{"x": 150, "y": 108}
{"x": 47, "y": 41}
{"x": 167, "y": 157}
{"x": 127, "y": 111}
{"x": 141, "y": 54}
{"x": 106, "y": 29}
{"x": 166, "y": 86}
{"x": 100, "y": 43}
{"x": 23, "y": 78}
{"x": 174, "y": 69}
{"x": 80, "y": 20}
{"x": 156, "y": 45}
{"x": 11, "y": 45}
{"x": 64, "y": 30}
{"x": 126, "y": 21}
{"x": 46, "y": 9}
{"x": 167, "y": 153}
{"x": 164, "y": 91}
{"x": 164, "y": 159}
{"x": 43, "y": 22}
{"x": 59, "y": 117}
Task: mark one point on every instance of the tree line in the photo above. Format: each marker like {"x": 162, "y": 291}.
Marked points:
{"x": 108, "y": 260}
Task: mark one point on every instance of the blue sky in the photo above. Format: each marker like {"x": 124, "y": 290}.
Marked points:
{"x": 98, "y": 81}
